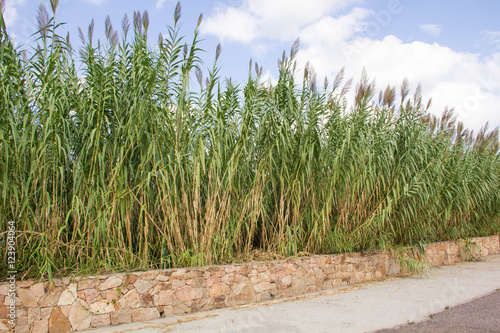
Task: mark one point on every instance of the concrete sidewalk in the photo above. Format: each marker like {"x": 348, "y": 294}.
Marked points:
{"x": 358, "y": 308}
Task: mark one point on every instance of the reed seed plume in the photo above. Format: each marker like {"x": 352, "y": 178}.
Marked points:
{"x": 42, "y": 20}
{"x": 53, "y": 5}
{"x": 125, "y": 25}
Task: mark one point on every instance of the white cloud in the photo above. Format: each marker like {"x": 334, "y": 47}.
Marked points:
{"x": 232, "y": 24}
{"x": 19, "y": 28}
{"x": 160, "y": 3}
{"x": 277, "y": 19}
{"x": 96, "y": 2}
{"x": 268, "y": 78}
{"x": 431, "y": 29}
{"x": 10, "y": 15}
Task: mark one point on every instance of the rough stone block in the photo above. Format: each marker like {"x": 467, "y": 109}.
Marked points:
{"x": 58, "y": 323}
{"x": 101, "y": 320}
{"x": 142, "y": 286}
{"x": 185, "y": 294}
{"x": 27, "y": 297}
{"x": 79, "y": 315}
{"x": 110, "y": 283}
{"x": 144, "y": 314}
{"x": 129, "y": 300}
{"x": 51, "y": 297}
{"x": 121, "y": 317}
{"x": 41, "y": 326}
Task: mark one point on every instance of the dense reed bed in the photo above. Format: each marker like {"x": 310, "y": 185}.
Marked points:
{"x": 122, "y": 156}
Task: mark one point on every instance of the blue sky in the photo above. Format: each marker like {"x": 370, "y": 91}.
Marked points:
{"x": 451, "y": 47}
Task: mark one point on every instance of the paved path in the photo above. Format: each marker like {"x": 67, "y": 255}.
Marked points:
{"x": 365, "y": 308}
{"x": 480, "y": 315}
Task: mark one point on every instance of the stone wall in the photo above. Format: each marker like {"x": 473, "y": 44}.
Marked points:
{"x": 80, "y": 303}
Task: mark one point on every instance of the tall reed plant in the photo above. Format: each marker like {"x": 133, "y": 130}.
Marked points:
{"x": 123, "y": 156}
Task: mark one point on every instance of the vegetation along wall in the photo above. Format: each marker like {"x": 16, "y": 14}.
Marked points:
{"x": 121, "y": 156}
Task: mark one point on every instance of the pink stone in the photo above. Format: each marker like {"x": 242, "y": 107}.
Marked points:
{"x": 130, "y": 300}
{"x": 198, "y": 282}
{"x": 259, "y": 287}
{"x": 180, "y": 308}
{"x": 58, "y": 323}
{"x": 91, "y": 295}
{"x": 101, "y": 307}
{"x": 38, "y": 289}
{"x": 112, "y": 295}
{"x": 219, "y": 289}
{"x": 22, "y": 329}
{"x": 238, "y": 278}
{"x": 25, "y": 284}
{"x": 178, "y": 274}
{"x": 27, "y": 298}
{"x": 4, "y": 288}
{"x": 147, "y": 300}
{"x": 162, "y": 278}
{"x": 41, "y": 326}
{"x": 176, "y": 283}
{"x": 58, "y": 282}
{"x": 160, "y": 286}
{"x": 243, "y": 269}
{"x": 5, "y": 326}
{"x": 33, "y": 315}
{"x": 212, "y": 280}
{"x": 130, "y": 279}
{"x": 202, "y": 304}
{"x": 230, "y": 269}
{"x": 51, "y": 297}
{"x": 185, "y": 294}
{"x": 286, "y": 280}
{"x": 166, "y": 297}
{"x": 79, "y": 315}
{"x": 263, "y": 277}
{"x": 145, "y": 314}
{"x": 101, "y": 320}
{"x": 241, "y": 294}
{"x": 86, "y": 284}
{"x": 201, "y": 293}
{"x": 142, "y": 286}
{"x": 228, "y": 278}
{"x": 219, "y": 274}
{"x": 121, "y": 317}
{"x": 68, "y": 296}
{"x": 149, "y": 275}
{"x": 359, "y": 277}
{"x": 65, "y": 309}
{"x": 110, "y": 283}
{"x": 45, "y": 312}
{"x": 22, "y": 316}
{"x": 263, "y": 296}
